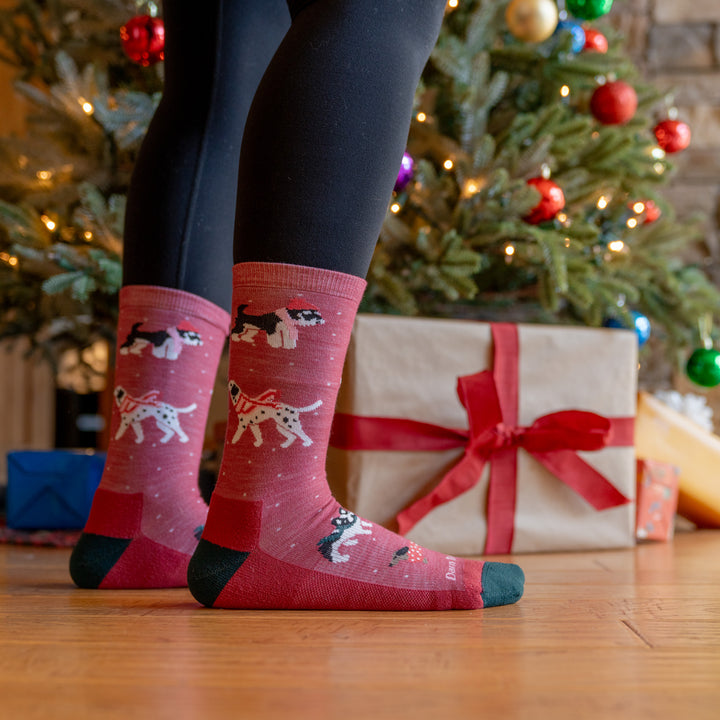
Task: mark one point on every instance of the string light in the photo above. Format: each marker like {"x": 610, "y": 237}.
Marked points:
{"x": 659, "y": 168}
{"x": 565, "y": 91}
{"x": 471, "y": 187}
{"x": 43, "y": 174}
{"x": 9, "y": 259}
{"x": 639, "y": 207}
{"x": 567, "y": 242}
{"x": 448, "y": 164}
{"x": 509, "y": 249}
{"x": 658, "y": 153}
{"x": 561, "y": 217}
{"x": 49, "y": 223}
{"x": 452, "y": 4}
{"x": 602, "y": 202}
{"x": 88, "y": 235}
{"x": 421, "y": 117}
{"x": 632, "y": 223}
{"x": 616, "y": 246}
{"x": 87, "y": 107}
{"x": 395, "y": 208}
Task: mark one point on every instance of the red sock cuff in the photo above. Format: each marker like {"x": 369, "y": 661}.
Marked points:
{"x": 163, "y": 298}
{"x": 298, "y": 277}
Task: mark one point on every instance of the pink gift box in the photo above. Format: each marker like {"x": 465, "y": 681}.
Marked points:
{"x": 657, "y": 499}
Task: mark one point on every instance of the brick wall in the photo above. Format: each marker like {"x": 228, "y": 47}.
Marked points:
{"x": 676, "y": 43}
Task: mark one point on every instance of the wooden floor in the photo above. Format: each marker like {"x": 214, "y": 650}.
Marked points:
{"x": 614, "y": 635}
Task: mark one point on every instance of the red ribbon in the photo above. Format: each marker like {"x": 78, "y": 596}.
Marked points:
{"x": 491, "y": 402}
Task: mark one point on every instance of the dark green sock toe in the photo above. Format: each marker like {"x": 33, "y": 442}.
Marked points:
{"x": 93, "y": 557}
{"x": 210, "y": 570}
{"x": 502, "y": 584}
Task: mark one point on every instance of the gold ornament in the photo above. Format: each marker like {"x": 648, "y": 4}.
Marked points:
{"x": 532, "y": 20}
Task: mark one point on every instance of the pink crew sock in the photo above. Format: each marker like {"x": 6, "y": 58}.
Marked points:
{"x": 147, "y": 514}
{"x": 275, "y": 537}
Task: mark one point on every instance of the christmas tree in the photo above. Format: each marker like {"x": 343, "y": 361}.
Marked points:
{"x": 529, "y": 192}
{"x": 64, "y": 181}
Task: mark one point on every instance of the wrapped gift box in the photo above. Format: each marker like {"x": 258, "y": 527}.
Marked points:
{"x": 488, "y": 485}
{"x": 51, "y": 489}
{"x": 657, "y": 499}
{"x": 666, "y": 435}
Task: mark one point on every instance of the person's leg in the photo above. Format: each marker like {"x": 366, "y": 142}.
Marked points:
{"x": 320, "y": 155}
{"x": 173, "y": 321}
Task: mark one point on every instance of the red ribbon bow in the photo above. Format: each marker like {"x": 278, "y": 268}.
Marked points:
{"x": 490, "y": 399}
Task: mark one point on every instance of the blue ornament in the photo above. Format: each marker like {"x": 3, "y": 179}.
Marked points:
{"x": 641, "y": 326}
{"x": 577, "y": 32}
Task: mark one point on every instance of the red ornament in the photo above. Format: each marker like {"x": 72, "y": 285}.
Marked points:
{"x": 551, "y": 203}
{"x": 652, "y": 212}
{"x": 143, "y": 39}
{"x": 672, "y": 135}
{"x": 595, "y": 41}
{"x": 648, "y": 209}
{"x": 614, "y": 103}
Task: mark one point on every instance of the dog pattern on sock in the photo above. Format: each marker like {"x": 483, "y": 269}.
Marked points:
{"x": 347, "y": 526}
{"x": 252, "y": 412}
{"x": 279, "y": 327}
{"x": 134, "y": 410}
{"x": 167, "y": 344}
{"x": 410, "y": 553}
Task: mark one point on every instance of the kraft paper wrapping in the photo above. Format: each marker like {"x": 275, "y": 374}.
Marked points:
{"x": 408, "y": 368}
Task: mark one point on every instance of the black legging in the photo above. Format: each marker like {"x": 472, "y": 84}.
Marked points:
{"x": 321, "y": 144}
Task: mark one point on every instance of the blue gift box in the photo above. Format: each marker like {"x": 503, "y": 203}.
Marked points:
{"x": 51, "y": 489}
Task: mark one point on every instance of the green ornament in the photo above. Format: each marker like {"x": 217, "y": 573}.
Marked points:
{"x": 589, "y": 9}
{"x": 703, "y": 367}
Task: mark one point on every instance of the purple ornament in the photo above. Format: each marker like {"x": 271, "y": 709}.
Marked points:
{"x": 407, "y": 166}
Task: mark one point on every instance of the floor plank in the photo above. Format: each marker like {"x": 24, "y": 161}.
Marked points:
{"x": 611, "y": 635}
